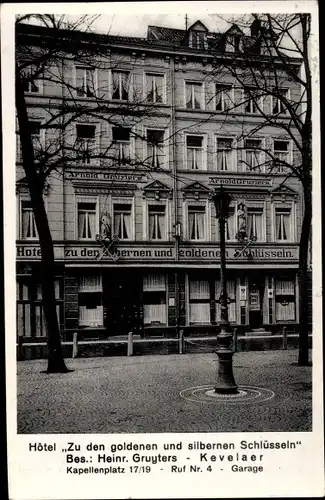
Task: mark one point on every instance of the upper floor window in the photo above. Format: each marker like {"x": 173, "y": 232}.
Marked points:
{"x": 194, "y": 95}
{"x": 28, "y": 224}
{"x": 283, "y": 224}
{"x": 121, "y": 85}
{"x": 121, "y": 144}
{"x": 197, "y": 222}
{"x": 32, "y": 80}
{"x": 253, "y": 162}
{"x": 225, "y": 154}
{"x": 86, "y": 221}
{"x": 85, "y": 143}
{"x": 255, "y": 224}
{"x": 233, "y": 43}
{"x": 122, "y": 225}
{"x": 194, "y": 152}
{"x": 223, "y": 97}
{"x": 252, "y": 101}
{"x": 154, "y": 87}
{"x": 85, "y": 82}
{"x": 157, "y": 222}
{"x": 155, "y": 147}
{"x": 279, "y": 99}
{"x": 198, "y": 40}
{"x": 281, "y": 151}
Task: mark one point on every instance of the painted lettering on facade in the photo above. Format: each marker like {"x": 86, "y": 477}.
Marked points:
{"x": 235, "y": 181}
{"x": 108, "y": 176}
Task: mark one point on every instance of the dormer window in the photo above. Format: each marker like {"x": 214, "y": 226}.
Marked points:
{"x": 233, "y": 43}
{"x": 198, "y": 40}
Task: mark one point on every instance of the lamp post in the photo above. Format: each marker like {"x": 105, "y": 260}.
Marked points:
{"x": 225, "y": 380}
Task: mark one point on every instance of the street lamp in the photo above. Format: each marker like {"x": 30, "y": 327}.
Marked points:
{"x": 225, "y": 381}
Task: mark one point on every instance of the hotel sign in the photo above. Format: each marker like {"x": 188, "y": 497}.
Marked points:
{"x": 240, "y": 182}
{"x": 146, "y": 253}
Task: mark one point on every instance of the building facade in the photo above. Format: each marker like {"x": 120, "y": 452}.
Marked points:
{"x": 135, "y": 235}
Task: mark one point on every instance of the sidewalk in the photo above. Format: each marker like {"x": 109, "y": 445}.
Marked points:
{"x": 142, "y": 394}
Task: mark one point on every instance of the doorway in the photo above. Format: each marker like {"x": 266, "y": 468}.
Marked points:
{"x": 122, "y": 297}
{"x": 255, "y": 300}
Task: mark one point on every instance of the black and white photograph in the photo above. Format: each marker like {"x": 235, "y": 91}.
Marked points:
{"x": 164, "y": 204}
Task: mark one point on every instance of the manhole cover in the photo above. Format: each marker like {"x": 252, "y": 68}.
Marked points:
{"x": 246, "y": 394}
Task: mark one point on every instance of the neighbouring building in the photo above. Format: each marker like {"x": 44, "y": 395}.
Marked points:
{"x": 135, "y": 235}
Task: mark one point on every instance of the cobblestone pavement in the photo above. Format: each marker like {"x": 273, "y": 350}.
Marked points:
{"x": 142, "y": 394}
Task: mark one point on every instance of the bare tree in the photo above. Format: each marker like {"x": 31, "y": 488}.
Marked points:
{"x": 267, "y": 56}
{"x": 43, "y": 54}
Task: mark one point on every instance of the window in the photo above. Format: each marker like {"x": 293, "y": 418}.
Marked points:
{"x": 253, "y": 153}
{"x": 121, "y": 144}
{"x": 281, "y": 155}
{"x": 155, "y": 145}
{"x": 283, "y": 224}
{"x": 90, "y": 301}
{"x": 279, "y": 101}
{"x": 37, "y": 134}
{"x": 255, "y": 224}
{"x": 198, "y": 40}
{"x": 231, "y": 225}
{"x": 86, "y": 221}
{"x": 121, "y": 85}
{"x": 32, "y": 84}
{"x": 85, "y": 82}
{"x": 122, "y": 221}
{"x": 154, "y": 299}
{"x": 225, "y": 154}
{"x": 231, "y": 294}
{"x": 194, "y": 152}
{"x": 157, "y": 222}
{"x": 233, "y": 43}
{"x": 252, "y": 101}
{"x": 155, "y": 87}
{"x": 85, "y": 143}
{"x": 28, "y": 224}
{"x": 224, "y": 98}
{"x": 199, "y": 302}
{"x": 194, "y": 95}
{"x": 196, "y": 223}
{"x": 285, "y": 299}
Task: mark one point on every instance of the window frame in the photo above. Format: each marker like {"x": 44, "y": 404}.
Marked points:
{"x": 273, "y": 97}
{"x": 131, "y": 143}
{"x": 195, "y": 82}
{"x": 261, "y": 152}
{"x": 165, "y": 291}
{"x": 223, "y": 94}
{"x": 278, "y": 206}
{"x": 151, "y": 202}
{"x": 86, "y": 199}
{"x": 39, "y": 80}
{"x": 252, "y": 102}
{"x": 25, "y": 199}
{"x": 145, "y": 86}
{"x": 204, "y": 152}
{"x": 289, "y": 153}
{"x": 165, "y": 164}
{"x": 130, "y": 83}
{"x": 124, "y": 201}
{"x": 85, "y": 69}
{"x": 187, "y": 204}
{"x": 96, "y": 140}
{"x": 233, "y": 151}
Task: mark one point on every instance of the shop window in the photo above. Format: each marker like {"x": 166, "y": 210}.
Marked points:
{"x": 155, "y": 148}
{"x": 281, "y": 152}
{"x": 194, "y": 152}
{"x": 157, "y": 222}
{"x": 279, "y": 101}
{"x": 28, "y": 224}
{"x": 285, "y": 300}
{"x": 255, "y": 224}
{"x": 283, "y": 224}
{"x": 154, "y": 299}
{"x": 121, "y": 144}
{"x": 85, "y": 82}
{"x": 224, "y": 100}
{"x": 90, "y": 301}
{"x": 121, "y": 85}
{"x": 253, "y": 153}
{"x": 194, "y": 95}
{"x": 154, "y": 87}
{"x": 225, "y": 154}
{"x": 197, "y": 222}
{"x": 86, "y": 143}
{"x": 199, "y": 302}
{"x": 231, "y": 294}
{"x": 122, "y": 221}
{"x": 86, "y": 221}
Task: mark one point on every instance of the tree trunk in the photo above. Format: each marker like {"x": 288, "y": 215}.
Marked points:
{"x": 303, "y": 278}
{"x": 35, "y": 184}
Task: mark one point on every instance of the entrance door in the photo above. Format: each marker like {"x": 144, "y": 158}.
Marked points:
{"x": 122, "y": 303}
{"x": 256, "y": 294}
